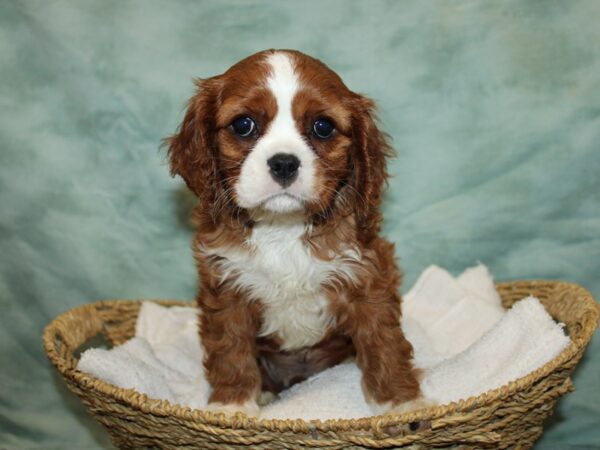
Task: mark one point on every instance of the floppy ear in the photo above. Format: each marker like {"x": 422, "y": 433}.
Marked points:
{"x": 370, "y": 149}
{"x": 192, "y": 149}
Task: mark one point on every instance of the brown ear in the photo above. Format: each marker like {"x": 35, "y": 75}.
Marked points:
{"x": 192, "y": 150}
{"x": 370, "y": 149}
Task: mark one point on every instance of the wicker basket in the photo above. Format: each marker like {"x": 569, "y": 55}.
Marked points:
{"x": 508, "y": 417}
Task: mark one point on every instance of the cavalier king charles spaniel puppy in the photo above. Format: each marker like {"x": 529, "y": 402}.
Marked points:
{"x": 288, "y": 166}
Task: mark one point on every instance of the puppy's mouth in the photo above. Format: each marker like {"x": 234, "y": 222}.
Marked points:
{"x": 282, "y": 202}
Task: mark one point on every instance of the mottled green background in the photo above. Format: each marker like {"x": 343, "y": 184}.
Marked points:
{"x": 494, "y": 108}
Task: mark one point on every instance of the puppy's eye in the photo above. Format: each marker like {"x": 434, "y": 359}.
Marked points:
{"x": 323, "y": 128}
{"x": 243, "y": 126}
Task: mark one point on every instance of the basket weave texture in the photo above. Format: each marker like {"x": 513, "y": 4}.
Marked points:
{"x": 508, "y": 417}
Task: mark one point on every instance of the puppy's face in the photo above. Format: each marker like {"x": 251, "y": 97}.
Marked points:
{"x": 284, "y": 141}
{"x": 279, "y": 131}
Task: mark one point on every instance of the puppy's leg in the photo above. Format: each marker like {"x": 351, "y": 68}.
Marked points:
{"x": 384, "y": 356}
{"x": 228, "y": 331}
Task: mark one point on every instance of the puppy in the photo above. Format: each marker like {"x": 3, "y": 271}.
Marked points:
{"x": 288, "y": 166}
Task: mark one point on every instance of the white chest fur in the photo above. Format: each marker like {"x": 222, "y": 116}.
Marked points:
{"x": 278, "y": 270}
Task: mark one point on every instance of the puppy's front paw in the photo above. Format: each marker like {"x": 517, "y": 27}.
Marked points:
{"x": 411, "y": 406}
{"x": 401, "y": 408}
{"x": 250, "y": 408}
{"x": 266, "y": 397}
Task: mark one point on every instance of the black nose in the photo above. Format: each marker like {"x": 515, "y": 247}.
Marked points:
{"x": 284, "y": 168}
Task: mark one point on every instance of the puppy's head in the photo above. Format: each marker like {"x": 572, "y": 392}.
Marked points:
{"x": 280, "y": 132}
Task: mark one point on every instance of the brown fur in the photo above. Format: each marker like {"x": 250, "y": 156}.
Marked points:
{"x": 351, "y": 170}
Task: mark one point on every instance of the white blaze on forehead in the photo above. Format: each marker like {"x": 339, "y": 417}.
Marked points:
{"x": 284, "y": 85}
{"x": 282, "y": 82}
{"x": 255, "y": 185}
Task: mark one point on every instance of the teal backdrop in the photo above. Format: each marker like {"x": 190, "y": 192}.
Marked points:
{"x": 493, "y": 107}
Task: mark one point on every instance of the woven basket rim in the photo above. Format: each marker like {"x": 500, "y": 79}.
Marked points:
{"x": 157, "y": 407}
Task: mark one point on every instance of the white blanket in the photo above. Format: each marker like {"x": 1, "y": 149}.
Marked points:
{"x": 463, "y": 339}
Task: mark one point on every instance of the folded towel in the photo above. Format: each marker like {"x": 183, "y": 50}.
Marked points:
{"x": 163, "y": 360}
{"x": 334, "y": 393}
{"x": 462, "y": 337}
{"x": 442, "y": 316}
{"x": 523, "y": 340}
